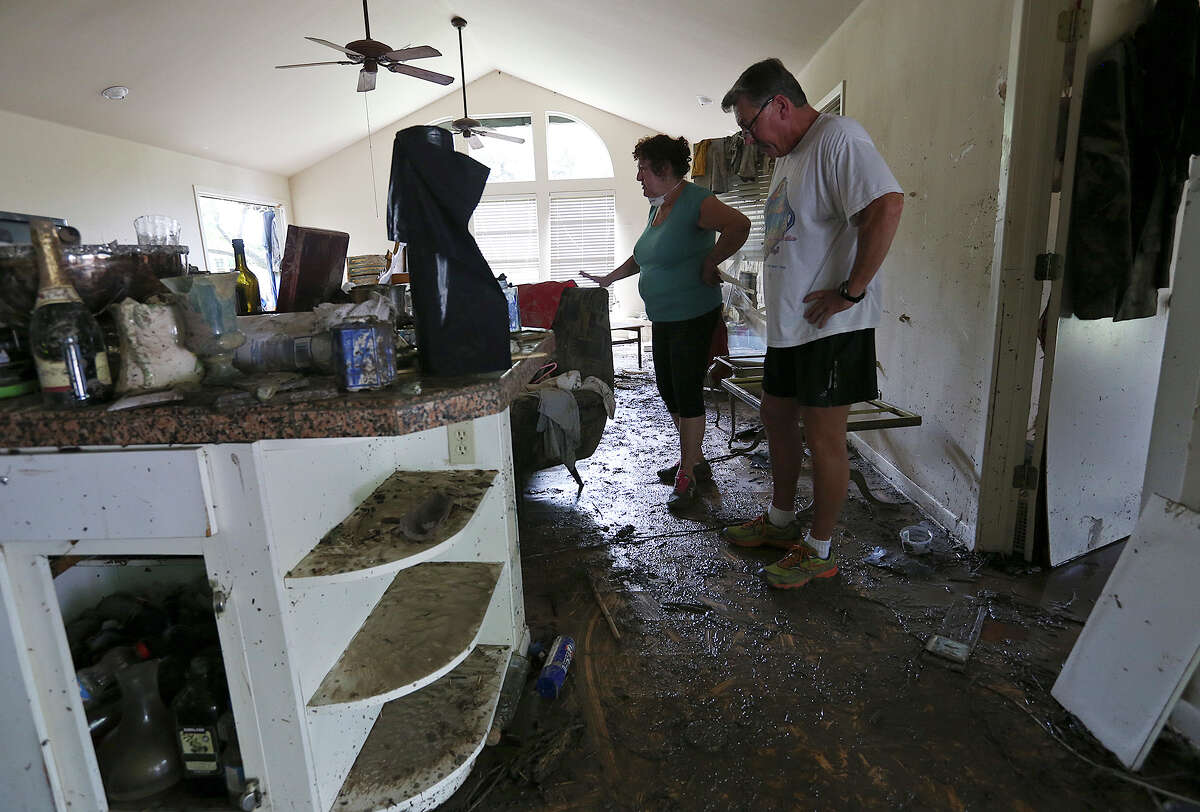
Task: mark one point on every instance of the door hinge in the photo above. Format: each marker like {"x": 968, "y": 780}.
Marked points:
{"x": 1025, "y": 477}
{"x": 1048, "y": 267}
{"x": 1071, "y": 24}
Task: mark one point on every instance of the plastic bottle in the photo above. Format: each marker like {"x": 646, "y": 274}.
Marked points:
{"x": 98, "y": 682}
{"x": 283, "y": 353}
{"x": 554, "y": 672}
{"x": 514, "y": 310}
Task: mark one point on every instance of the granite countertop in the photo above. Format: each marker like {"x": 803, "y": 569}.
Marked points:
{"x": 411, "y": 404}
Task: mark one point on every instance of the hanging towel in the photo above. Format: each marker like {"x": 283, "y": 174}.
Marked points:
{"x": 699, "y": 159}
{"x": 716, "y": 175}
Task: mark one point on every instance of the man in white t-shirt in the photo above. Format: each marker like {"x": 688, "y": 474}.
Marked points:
{"x": 833, "y": 209}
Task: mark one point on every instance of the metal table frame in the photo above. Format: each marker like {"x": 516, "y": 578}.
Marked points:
{"x": 745, "y": 384}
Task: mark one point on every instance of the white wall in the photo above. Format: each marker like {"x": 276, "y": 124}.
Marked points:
{"x": 337, "y": 192}
{"x": 99, "y": 184}
{"x": 927, "y": 88}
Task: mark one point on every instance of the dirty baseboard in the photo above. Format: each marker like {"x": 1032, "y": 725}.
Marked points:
{"x": 960, "y": 530}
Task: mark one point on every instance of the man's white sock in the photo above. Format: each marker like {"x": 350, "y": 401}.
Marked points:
{"x": 821, "y": 548}
{"x": 780, "y": 518}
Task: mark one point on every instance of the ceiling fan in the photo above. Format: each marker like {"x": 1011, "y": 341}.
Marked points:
{"x": 373, "y": 55}
{"x": 466, "y": 126}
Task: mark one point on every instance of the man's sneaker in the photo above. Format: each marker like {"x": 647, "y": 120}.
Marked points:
{"x": 703, "y": 473}
{"x": 760, "y": 531}
{"x": 684, "y": 493}
{"x": 799, "y": 567}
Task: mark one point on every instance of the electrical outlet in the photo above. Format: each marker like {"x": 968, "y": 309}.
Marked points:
{"x": 461, "y": 437}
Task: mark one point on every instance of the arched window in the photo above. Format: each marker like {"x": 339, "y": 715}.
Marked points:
{"x": 574, "y": 150}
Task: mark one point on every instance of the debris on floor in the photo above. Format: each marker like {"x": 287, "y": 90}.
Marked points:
{"x": 723, "y": 694}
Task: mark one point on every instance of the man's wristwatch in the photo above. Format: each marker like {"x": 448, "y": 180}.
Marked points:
{"x": 844, "y": 292}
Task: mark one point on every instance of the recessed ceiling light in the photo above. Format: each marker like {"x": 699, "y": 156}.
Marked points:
{"x": 115, "y": 93}
{"x": 703, "y": 100}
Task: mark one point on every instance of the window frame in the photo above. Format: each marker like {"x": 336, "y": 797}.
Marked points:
{"x": 576, "y": 193}
{"x": 235, "y": 197}
{"x": 537, "y": 218}
{"x": 542, "y": 186}
{"x": 608, "y": 154}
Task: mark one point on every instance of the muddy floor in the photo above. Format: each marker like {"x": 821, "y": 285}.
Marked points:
{"x": 723, "y": 694}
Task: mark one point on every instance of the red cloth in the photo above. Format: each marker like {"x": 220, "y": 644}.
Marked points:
{"x": 539, "y": 302}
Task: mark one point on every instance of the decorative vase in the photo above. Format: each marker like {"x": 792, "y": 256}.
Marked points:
{"x": 140, "y": 757}
{"x": 152, "y": 357}
{"x": 207, "y": 303}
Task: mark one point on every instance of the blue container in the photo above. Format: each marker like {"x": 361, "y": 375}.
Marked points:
{"x": 364, "y": 354}
{"x": 514, "y": 308}
{"x": 554, "y": 672}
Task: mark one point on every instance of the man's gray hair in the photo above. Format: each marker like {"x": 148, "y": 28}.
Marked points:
{"x": 764, "y": 80}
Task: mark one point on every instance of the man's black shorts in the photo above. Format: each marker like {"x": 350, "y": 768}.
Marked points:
{"x": 833, "y": 371}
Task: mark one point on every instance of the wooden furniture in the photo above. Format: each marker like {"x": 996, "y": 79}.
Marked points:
{"x": 364, "y": 668}
{"x": 630, "y": 327}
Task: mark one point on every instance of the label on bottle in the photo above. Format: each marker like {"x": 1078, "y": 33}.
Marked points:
{"x": 199, "y": 748}
{"x": 69, "y": 374}
{"x": 54, "y": 376}
{"x": 49, "y": 295}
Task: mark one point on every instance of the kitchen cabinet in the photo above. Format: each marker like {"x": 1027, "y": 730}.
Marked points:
{"x": 364, "y": 668}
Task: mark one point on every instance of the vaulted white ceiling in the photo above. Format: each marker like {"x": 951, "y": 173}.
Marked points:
{"x": 202, "y": 79}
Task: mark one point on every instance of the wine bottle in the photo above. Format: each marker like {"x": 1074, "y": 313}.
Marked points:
{"x": 68, "y": 347}
{"x": 249, "y": 300}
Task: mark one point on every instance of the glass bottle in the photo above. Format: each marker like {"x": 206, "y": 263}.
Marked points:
{"x": 231, "y": 758}
{"x": 66, "y": 341}
{"x": 197, "y": 710}
{"x": 249, "y": 299}
{"x": 98, "y": 682}
{"x": 140, "y": 758}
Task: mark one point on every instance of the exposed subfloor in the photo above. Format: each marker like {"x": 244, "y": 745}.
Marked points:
{"x": 723, "y": 694}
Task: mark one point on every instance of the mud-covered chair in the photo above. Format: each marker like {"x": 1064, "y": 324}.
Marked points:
{"x": 583, "y": 341}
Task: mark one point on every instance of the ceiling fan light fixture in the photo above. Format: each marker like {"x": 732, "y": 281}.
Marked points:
{"x": 115, "y": 93}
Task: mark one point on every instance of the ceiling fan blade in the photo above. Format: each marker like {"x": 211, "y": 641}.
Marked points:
{"x": 421, "y": 73}
{"x": 493, "y": 134}
{"x": 417, "y": 52}
{"x": 366, "y": 80}
{"x": 473, "y": 141}
{"x": 309, "y": 64}
{"x": 347, "y": 52}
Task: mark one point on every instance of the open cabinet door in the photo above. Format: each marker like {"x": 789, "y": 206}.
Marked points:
{"x": 1047, "y": 62}
{"x": 1128, "y": 670}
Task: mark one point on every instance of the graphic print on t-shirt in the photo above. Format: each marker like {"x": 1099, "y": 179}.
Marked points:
{"x": 778, "y": 218}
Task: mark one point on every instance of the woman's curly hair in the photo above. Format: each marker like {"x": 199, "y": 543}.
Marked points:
{"x": 662, "y": 151}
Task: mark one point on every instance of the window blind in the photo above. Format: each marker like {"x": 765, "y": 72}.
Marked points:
{"x": 581, "y": 235}
{"x": 506, "y": 229}
{"x": 750, "y": 198}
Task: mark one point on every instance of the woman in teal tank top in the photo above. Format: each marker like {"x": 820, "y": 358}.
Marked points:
{"x": 688, "y": 234}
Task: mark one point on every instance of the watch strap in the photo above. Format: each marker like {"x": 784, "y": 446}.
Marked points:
{"x": 844, "y": 291}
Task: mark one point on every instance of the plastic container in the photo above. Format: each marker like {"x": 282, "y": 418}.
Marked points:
{"x": 554, "y": 672}
{"x": 514, "y": 309}
{"x": 916, "y": 539}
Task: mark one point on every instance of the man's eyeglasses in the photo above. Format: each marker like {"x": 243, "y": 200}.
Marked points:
{"x": 748, "y": 129}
